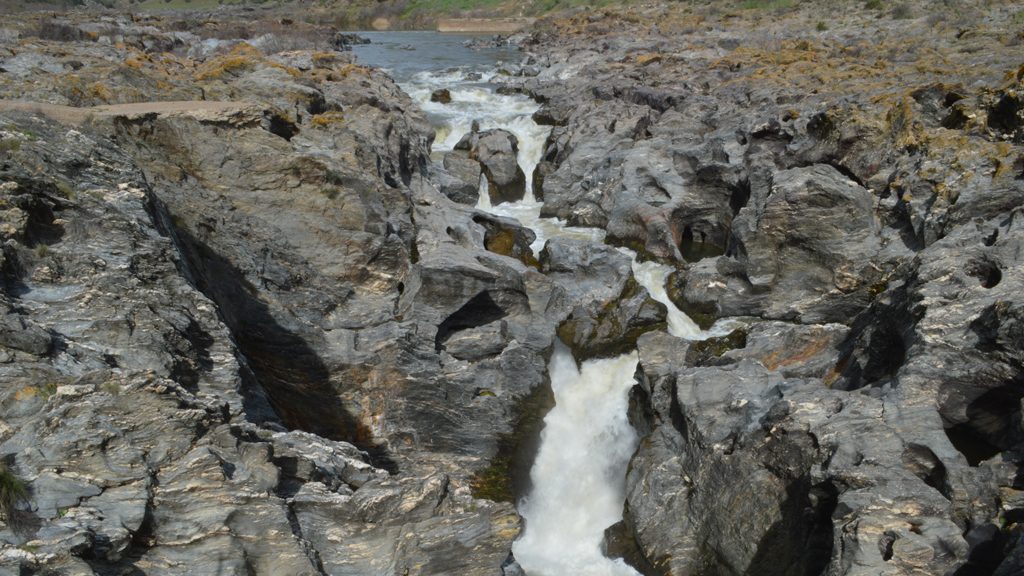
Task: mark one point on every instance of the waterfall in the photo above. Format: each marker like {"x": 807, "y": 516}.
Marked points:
{"x": 579, "y": 473}
{"x": 652, "y": 276}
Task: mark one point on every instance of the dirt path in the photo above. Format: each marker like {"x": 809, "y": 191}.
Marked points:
{"x": 205, "y": 109}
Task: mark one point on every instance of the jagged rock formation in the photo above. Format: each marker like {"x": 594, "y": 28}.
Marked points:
{"x": 869, "y": 422}
{"x": 272, "y": 336}
{"x": 253, "y": 335}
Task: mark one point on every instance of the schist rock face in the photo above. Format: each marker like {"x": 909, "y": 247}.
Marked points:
{"x": 257, "y": 318}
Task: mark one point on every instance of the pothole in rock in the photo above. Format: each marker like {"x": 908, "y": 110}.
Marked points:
{"x": 695, "y": 248}
{"x": 1004, "y": 116}
{"x": 740, "y": 197}
{"x": 992, "y": 425}
{"x": 280, "y": 126}
{"x": 923, "y": 463}
{"x": 986, "y": 271}
{"x": 991, "y": 238}
{"x": 876, "y": 360}
{"x": 989, "y": 546}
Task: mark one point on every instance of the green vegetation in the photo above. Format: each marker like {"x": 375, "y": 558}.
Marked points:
{"x": 821, "y": 27}
{"x": 13, "y": 493}
{"x": 506, "y": 7}
{"x": 65, "y": 189}
{"x": 507, "y": 475}
{"x": 399, "y": 14}
{"x": 158, "y": 5}
{"x": 873, "y": 4}
{"x": 767, "y": 4}
{"x": 902, "y": 12}
{"x": 448, "y": 6}
{"x": 10, "y": 145}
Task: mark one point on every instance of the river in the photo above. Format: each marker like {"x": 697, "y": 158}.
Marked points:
{"x": 579, "y": 473}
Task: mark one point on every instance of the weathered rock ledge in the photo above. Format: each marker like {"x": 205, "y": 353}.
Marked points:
{"x": 862, "y": 217}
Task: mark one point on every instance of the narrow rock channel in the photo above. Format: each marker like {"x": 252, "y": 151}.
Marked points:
{"x": 659, "y": 289}
{"x": 578, "y": 478}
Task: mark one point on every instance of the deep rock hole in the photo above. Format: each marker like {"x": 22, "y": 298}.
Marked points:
{"x": 922, "y": 462}
{"x": 876, "y": 358}
{"x": 280, "y": 126}
{"x": 740, "y": 197}
{"x": 987, "y": 272}
{"x": 992, "y": 425}
{"x": 988, "y": 548}
{"x": 695, "y": 249}
{"x": 1005, "y": 115}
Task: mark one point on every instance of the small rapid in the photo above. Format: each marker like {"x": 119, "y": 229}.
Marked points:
{"x": 578, "y": 476}
{"x": 473, "y": 99}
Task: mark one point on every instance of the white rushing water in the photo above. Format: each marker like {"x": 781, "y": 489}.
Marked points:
{"x": 474, "y": 101}
{"x": 579, "y": 474}
{"x": 652, "y": 276}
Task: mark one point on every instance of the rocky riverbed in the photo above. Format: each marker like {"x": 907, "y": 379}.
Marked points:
{"x": 255, "y": 324}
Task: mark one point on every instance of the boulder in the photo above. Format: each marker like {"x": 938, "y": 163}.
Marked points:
{"x": 465, "y": 172}
{"x": 441, "y": 96}
{"x": 497, "y": 152}
{"x": 344, "y": 41}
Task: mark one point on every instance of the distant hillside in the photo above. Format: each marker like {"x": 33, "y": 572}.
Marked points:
{"x": 348, "y": 14}
{"x": 362, "y": 14}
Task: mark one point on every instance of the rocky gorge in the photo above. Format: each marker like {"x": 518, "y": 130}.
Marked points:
{"x": 257, "y": 322}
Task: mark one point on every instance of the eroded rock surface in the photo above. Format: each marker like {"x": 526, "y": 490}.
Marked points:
{"x": 865, "y": 418}
{"x": 272, "y": 335}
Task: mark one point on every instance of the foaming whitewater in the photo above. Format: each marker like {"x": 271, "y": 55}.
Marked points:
{"x": 587, "y": 440}
{"x": 473, "y": 100}
{"x": 578, "y": 476}
{"x": 652, "y": 276}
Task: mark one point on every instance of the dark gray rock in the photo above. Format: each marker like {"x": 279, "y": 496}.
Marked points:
{"x": 506, "y": 236}
{"x": 812, "y": 249}
{"x": 497, "y": 152}
{"x": 596, "y": 330}
{"x": 20, "y": 334}
{"x": 344, "y": 41}
{"x": 798, "y": 446}
{"x": 587, "y": 270}
{"x": 197, "y": 388}
{"x": 441, "y": 95}
{"x": 465, "y": 173}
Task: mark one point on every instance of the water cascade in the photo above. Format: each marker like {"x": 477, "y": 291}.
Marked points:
{"x": 579, "y": 473}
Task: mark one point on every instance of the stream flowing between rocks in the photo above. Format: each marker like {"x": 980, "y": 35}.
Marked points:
{"x": 579, "y": 473}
